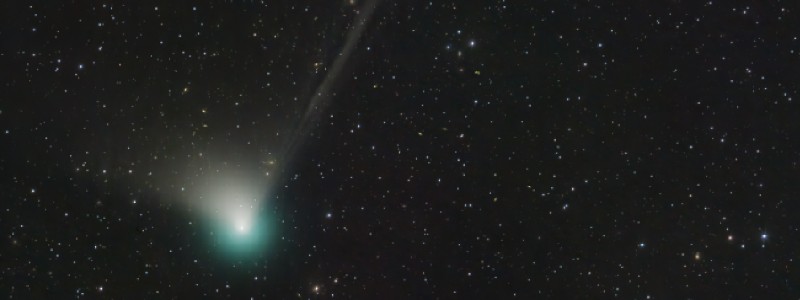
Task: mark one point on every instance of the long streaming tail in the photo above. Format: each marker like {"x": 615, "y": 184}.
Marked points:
{"x": 320, "y": 100}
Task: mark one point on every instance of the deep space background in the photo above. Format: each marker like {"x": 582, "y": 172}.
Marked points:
{"x": 466, "y": 149}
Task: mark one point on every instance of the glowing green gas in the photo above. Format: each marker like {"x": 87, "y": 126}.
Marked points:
{"x": 242, "y": 238}
{"x": 237, "y": 212}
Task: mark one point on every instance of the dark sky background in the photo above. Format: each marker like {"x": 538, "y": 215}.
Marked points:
{"x": 471, "y": 149}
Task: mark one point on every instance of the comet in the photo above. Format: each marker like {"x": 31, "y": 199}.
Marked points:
{"x": 235, "y": 200}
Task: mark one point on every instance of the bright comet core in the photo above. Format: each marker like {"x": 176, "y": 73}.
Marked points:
{"x": 234, "y": 204}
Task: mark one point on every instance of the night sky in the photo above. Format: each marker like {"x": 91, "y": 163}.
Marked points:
{"x": 365, "y": 149}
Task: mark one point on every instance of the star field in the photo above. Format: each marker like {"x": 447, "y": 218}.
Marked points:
{"x": 365, "y": 149}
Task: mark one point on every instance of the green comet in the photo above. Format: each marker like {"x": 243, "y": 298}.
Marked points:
{"x": 238, "y": 212}
{"x": 244, "y": 238}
